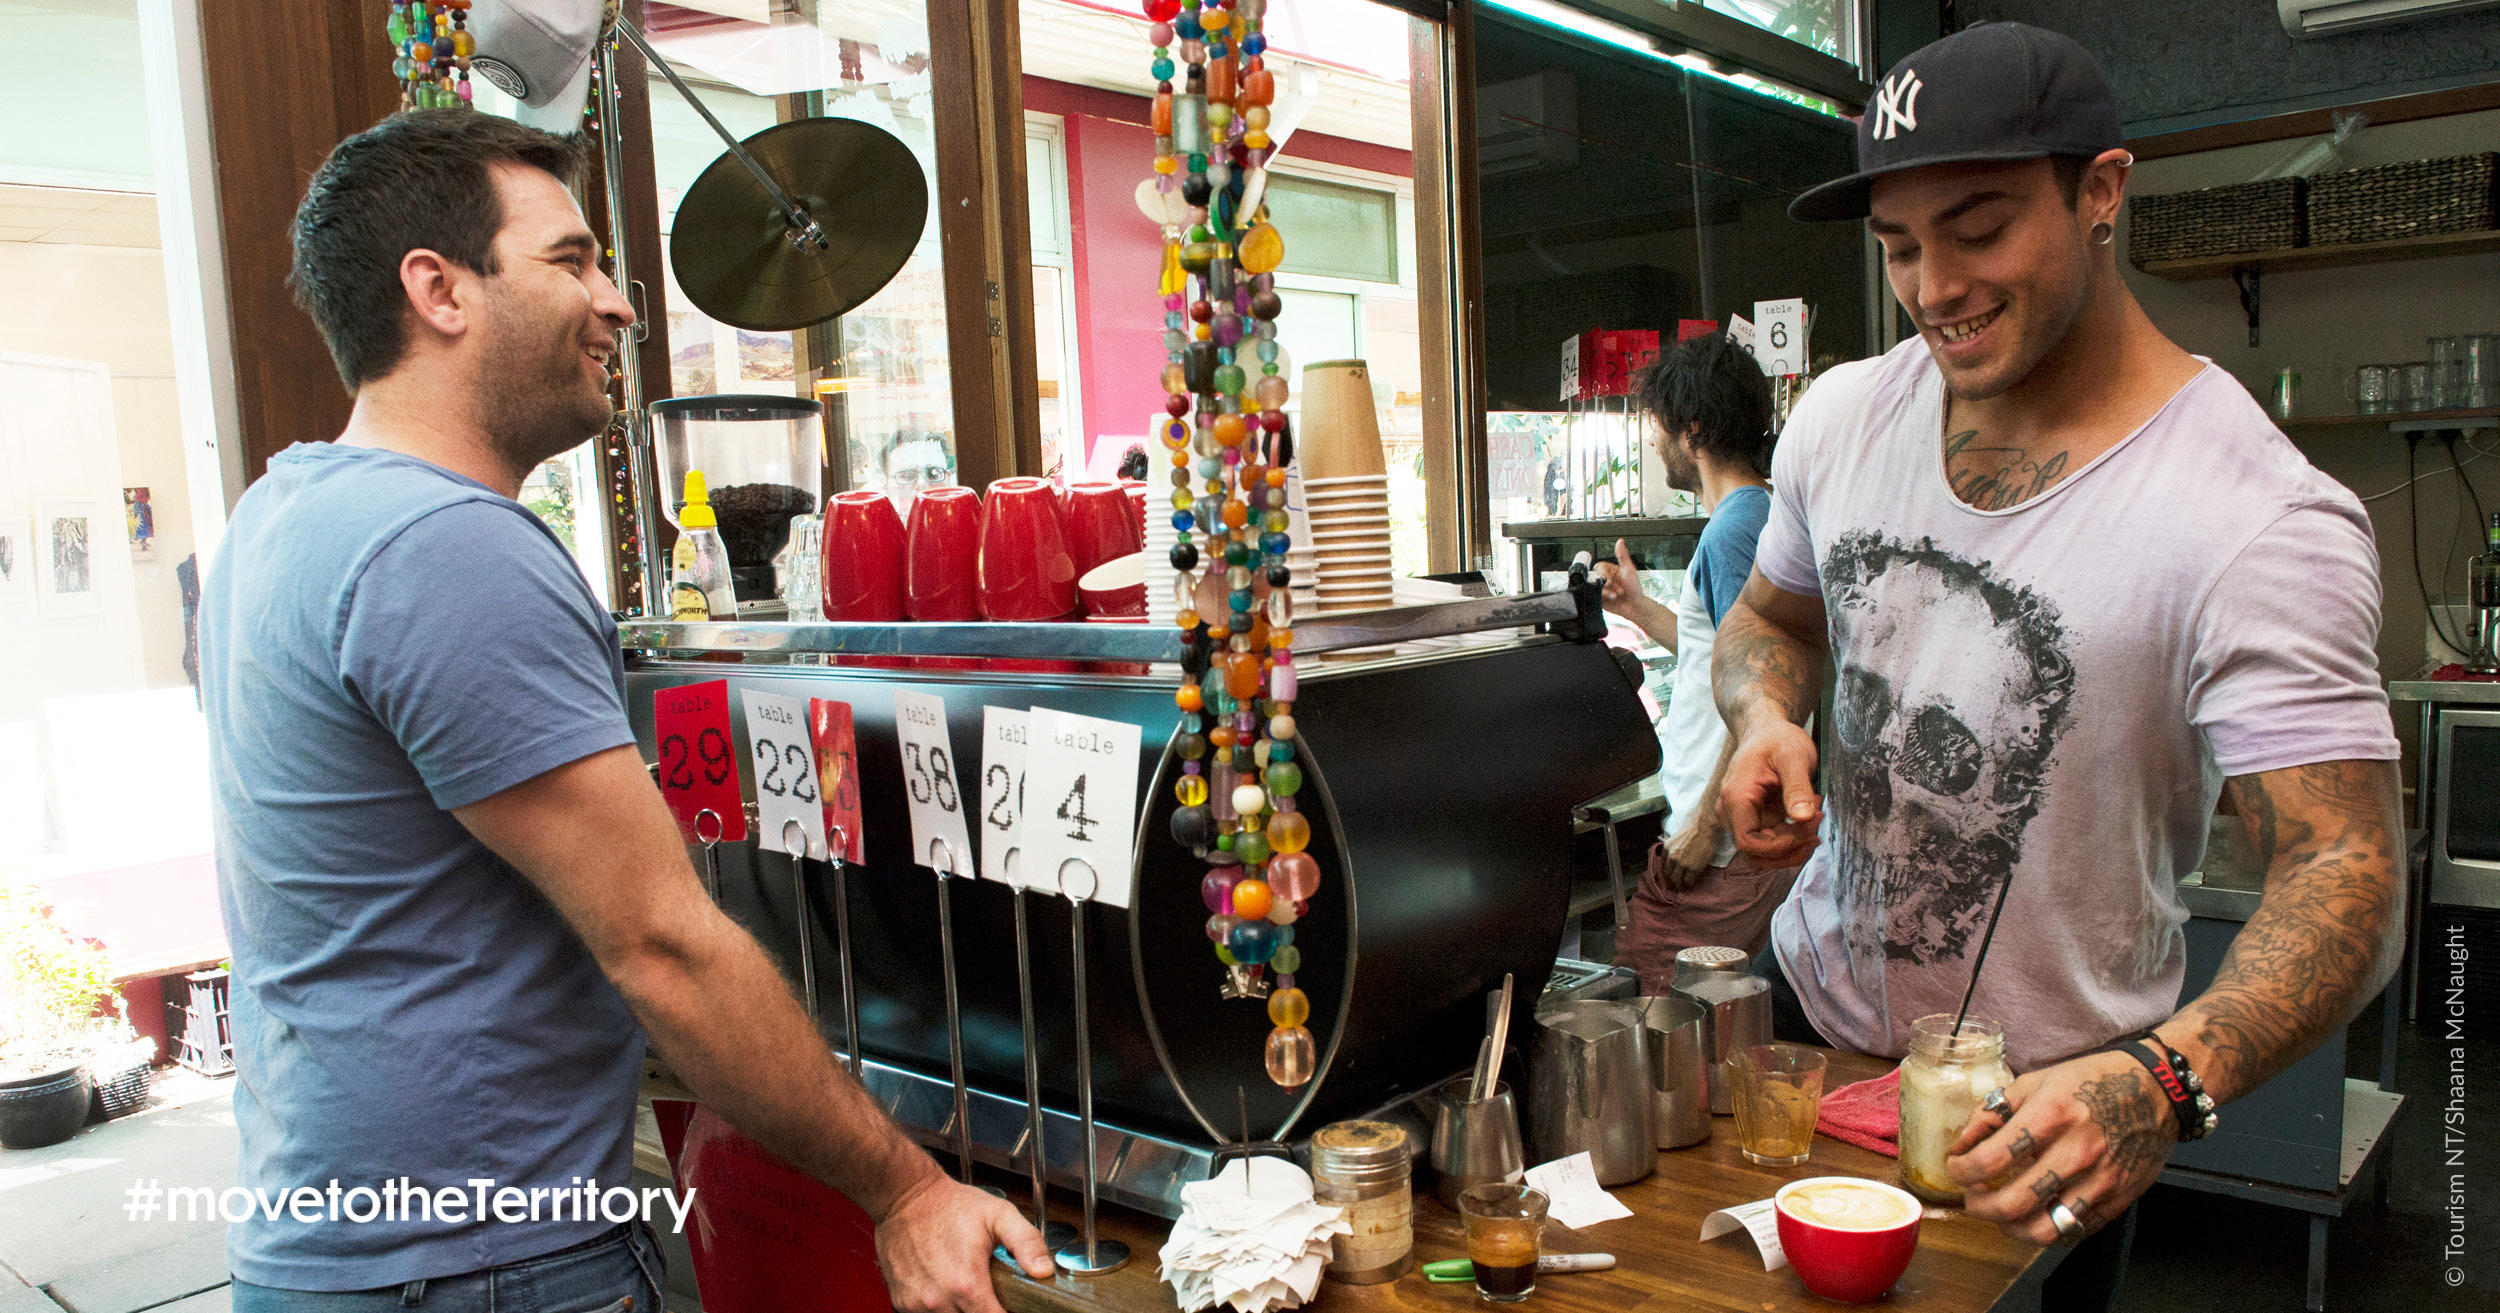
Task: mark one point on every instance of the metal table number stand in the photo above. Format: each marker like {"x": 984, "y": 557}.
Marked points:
{"x": 1054, "y": 1234}
{"x": 1092, "y": 1255}
{"x": 954, "y": 1007}
{"x": 794, "y": 842}
{"x": 711, "y": 850}
{"x": 839, "y": 842}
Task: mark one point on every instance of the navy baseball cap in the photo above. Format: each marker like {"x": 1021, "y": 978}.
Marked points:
{"x": 1996, "y": 91}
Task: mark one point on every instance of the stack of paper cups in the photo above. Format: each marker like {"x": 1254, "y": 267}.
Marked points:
{"x": 1303, "y": 556}
{"x": 1350, "y": 535}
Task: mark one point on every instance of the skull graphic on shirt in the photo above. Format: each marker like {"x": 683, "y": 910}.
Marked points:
{"x": 1951, "y": 690}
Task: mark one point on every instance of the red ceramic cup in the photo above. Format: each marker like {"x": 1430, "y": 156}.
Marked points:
{"x": 1115, "y": 589}
{"x": 1103, "y": 525}
{"x": 1025, "y": 570}
{"x": 943, "y": 551}
{"x": 864, "y": 576}
{"x": 1849, "y": 1238}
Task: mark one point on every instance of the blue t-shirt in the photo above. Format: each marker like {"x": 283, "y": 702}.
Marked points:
{"x": 382, "y": 641}
{"x": 1723, "y": 559}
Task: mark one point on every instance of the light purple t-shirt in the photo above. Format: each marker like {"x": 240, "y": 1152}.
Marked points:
{"x": 2054, "y": 691}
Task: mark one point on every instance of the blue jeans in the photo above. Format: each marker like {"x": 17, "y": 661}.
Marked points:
{"x": 618, "y": 1272}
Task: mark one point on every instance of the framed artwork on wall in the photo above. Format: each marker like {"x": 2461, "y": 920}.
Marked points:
{"x": 66, "y": 539}
{"x": 17, "y": 563}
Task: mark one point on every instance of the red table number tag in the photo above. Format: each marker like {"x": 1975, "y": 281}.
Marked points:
{"x": 698, "y": 759}
{"x": 837, "y": 774}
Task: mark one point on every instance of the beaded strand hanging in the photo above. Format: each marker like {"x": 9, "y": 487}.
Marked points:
{"x": 431, "y": 45}
{"x": 1229, "y": 447}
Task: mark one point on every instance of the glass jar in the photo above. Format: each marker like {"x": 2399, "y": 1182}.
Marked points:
{"x": 1366, "y": 1168}
{"x": 1942, "y": 1082}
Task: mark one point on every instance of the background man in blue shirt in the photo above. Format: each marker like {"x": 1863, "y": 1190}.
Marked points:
{"x": 1709, "y": 413}
{"x": 456, "y": 901}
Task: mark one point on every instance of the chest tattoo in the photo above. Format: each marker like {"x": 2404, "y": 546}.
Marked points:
{"x": 1993, "y": 478}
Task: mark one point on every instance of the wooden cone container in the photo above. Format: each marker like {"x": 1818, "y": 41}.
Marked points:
{"x": 1339, "y": 433}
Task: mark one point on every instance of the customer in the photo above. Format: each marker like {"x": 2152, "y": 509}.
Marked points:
{"x": 1709, "y": 411}
{"x": 2076, "y": 584}
{"x": 451, "y": 888}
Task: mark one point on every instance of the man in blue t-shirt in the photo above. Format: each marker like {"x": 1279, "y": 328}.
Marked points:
{"x": 456, "y": 902}
{"x": 1709, "y": 413}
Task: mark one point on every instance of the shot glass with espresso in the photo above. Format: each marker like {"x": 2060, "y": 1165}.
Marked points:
{"x": 1504, "y": 1223}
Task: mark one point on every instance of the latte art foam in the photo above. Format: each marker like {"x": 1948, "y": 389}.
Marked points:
{"x": 1844, "y": 1206}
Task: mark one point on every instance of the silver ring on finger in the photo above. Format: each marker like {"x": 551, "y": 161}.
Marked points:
{"x": 1997, "y": 1103}
{"x": 2069, "y": 1227}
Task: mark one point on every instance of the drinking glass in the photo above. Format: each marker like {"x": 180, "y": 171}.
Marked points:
{"x": 2369, "y": 389}
{"x": 1779, "y": 1092}
{"x": 2479, "y": 380}
{"x": 2411, "y": 384}
{"x": 2447, "y": 373}
{"x": 1503, "y": 1223}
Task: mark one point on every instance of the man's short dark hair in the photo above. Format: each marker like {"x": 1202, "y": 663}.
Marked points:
{"x": 1711, "y": 382}
{"x": 420, "y": 180}
{"x": 2070, "y": 170}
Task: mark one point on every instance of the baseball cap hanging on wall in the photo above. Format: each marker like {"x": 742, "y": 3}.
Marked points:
{"x": 1996, "y": 91}
{"x": 538, "y": 52}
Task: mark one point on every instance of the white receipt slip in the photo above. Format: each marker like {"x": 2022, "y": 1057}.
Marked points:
{"x": 1572, "y": 1195}
{"x": 1761, "y": 1219}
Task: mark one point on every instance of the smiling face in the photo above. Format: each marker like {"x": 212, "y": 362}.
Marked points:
{"x": 549, "y": 324}
{"x": 1992, "y": 262}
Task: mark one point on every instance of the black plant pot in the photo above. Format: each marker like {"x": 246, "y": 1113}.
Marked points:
{"x": 45, "y": 1109}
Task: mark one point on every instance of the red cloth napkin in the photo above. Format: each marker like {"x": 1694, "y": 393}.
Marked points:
{"x": 1867, "y": 1114}
{"x": 2454, "y": 671}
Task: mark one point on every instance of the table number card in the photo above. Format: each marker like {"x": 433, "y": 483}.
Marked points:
{"x": 698, "y": 766}
{"x": 931, "y": 784}
{"x": 1779, "y": 336}
{"x": 1081, "y": 786}
{"x": 1003, "y": 732}
{"x": 837, "y": 775}
{"x": 785, "y": 772}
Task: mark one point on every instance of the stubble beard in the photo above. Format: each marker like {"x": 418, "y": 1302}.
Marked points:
{"x": 534, "y": 403}
{"x": 2037, "y": 345}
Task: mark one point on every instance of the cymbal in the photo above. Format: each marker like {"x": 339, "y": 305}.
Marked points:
{"x": 733, "y": 249}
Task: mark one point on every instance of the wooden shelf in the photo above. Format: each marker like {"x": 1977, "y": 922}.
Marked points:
{"x": 2324, "y": 257}
{"x": 2410, "y": 418}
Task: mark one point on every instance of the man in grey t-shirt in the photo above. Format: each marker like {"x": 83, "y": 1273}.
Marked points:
{"x": 456, "y": 901}
{"x": 2074, "y": 587}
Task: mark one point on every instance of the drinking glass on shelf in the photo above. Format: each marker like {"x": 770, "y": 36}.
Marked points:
{"x": 2447, "y": 373}
{"x": 2369, "y": 389}
{"x": 1779, "y": 1093}
{"x": 2479, "y": 371}
{"x": 2411, "y": 384}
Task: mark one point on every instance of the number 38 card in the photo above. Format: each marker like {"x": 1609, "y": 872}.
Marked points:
{"x": 1080, "y": 806}
{"x": 938, "y": 836}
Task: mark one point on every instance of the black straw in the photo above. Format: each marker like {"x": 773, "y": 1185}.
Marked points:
{"x": 1984, "y": 941}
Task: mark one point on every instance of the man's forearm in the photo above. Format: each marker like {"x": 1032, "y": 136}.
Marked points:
{"x": 2326, "y": 935}
{"x": 726, "y": 1023}
{"x": 1759, "y": 669}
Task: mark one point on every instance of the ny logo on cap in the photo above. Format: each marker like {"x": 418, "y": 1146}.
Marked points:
{"x": 1896, "y": 105}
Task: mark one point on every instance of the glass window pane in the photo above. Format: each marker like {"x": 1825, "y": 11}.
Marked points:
{"x": 1335, "y": 230}
{"x": 1826, "y": 25}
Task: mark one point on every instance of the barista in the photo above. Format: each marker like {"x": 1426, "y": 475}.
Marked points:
{"x": 1709, "y": 410}
{"x": 2076, "y": 584}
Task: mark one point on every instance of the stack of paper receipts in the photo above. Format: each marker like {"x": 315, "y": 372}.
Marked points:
{"x": 1251, "y": 1237}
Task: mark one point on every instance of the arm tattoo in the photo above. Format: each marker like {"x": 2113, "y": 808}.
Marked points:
{"x": 2045, "y": 1186}
{"x": 2326, "y": 933}
{"x": 2134, "y": 1119}
{"x": 1757, "y": 666}
{"x": 1993, "y": 478}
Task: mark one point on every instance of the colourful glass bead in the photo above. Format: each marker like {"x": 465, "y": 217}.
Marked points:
{"x": 1188, "y": 698}
{"x": 1283, "y": 684}
{"x": 1225, "y": 956}
{"x": 1251, "y": 898}
{"x": 1191, "y": 791}
{"x": 1282, "y": 911}
{"x": 1251, "y": 941}
{"x": 1194, "y": 827}
{"x": 1163, "y": 11}
{"x": 1227, "y": 381}
{"x": 1220, "y": 927}
{"x": 1294, "y": 876}
{"x": 1288, "y": 1007}
{"x": 1281, "y": 727}
{"x": 1249, "y": 800}
{"x": 1258, "y": 87}
{"x": 1218, "y": 890}
{"x": 1291, "y": 1056}
{"x": 1261, "y": 249}
{"x": 1288, "y": 833}
{"x": 1284, "y": 779}
{"x": 1287, "y": 958}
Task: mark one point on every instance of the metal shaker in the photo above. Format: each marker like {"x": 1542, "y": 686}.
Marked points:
{"x": 1679, "y": 1075}
{"x": 1588, "y": 1088}
{"x": 1736, "y": 1007}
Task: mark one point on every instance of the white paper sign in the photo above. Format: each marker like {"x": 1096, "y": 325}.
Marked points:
{"x": 932, "y": 784}
{"x": 1002, "y": 792}
{"x": 1760, "y": 1219}
{"x": 785, "y": 772}
{"x": 1740, "y": 331}
{"x": 1573, "y": 1196}
{"x": 1779, "y": 336}
{"x": 1571, "y": 369}
{"x": 1081, "y": 796}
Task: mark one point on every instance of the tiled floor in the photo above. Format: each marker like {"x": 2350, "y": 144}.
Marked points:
{"x": 66, "y": 1241}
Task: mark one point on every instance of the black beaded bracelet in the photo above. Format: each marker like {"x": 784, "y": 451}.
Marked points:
{"x": 2190, "y": 1107}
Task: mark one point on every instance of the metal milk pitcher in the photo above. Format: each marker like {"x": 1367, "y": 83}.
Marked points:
{"x": 1679, "y": 1073}
{"x": 1589, "y": 1088}
{"x": 1737, "y": 1010}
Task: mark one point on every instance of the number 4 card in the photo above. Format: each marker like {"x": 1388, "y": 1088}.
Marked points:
{"x": 785, "y": 772}
{"x": 1081, "y": 782}
{"x": 930, "y": 783}
{"x": 698, "y": 769}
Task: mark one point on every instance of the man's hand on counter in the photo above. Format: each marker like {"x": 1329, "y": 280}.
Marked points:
{"x": 934, "y": 1247}
{"x": 2091, "y": 1133}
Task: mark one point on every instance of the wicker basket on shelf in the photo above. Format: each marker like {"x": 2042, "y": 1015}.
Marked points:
{"x": 2418, "y": 198}
{"x": 2244, "y": 218}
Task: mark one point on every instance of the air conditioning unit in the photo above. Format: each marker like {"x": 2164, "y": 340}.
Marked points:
{"x": 2308, "y": 18}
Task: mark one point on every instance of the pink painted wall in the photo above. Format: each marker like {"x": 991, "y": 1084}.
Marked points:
{"x": 1117, "y": 253}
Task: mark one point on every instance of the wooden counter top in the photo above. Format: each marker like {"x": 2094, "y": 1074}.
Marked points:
{"x": 1661, "y": 1264}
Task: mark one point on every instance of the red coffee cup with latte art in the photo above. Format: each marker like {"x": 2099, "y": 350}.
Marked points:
{"x": 1849, "y": 1238}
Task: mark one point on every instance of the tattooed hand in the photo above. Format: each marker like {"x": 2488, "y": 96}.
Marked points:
{"x": 1767, "y": 671}
{"x": 2091, "y": 1133}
